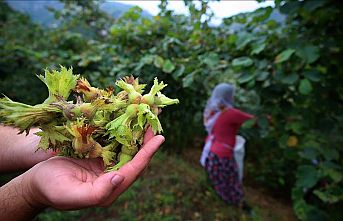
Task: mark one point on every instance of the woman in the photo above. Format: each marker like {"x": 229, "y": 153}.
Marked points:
{"x": 222, "y": 122}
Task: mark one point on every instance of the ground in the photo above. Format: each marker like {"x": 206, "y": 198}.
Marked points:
{"x": 176, "y": 188}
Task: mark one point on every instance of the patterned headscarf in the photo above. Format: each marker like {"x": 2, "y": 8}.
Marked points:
{"x": 221, "y": 98}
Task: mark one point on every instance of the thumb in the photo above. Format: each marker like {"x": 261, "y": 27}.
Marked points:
{"x": 105, "y": 185}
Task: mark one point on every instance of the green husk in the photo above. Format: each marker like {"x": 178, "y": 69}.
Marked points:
{"x": 97, "y": 123}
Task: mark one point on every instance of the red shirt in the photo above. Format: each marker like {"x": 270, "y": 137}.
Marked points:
{"x": 225, "y": 130}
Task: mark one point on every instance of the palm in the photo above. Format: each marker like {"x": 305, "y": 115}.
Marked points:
{"x": 70, "y": 182}
{"x": 66, "y": 183}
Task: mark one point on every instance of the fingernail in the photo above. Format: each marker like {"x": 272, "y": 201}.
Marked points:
{"x": 117, "y": 179}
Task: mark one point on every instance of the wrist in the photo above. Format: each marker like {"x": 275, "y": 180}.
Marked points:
{"x": 28, "y": 191}
{"x": 17, "y": 203}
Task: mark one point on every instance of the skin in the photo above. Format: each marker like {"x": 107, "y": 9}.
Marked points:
{"x": 18, "y": 151}
{"x": 69, "y": 184}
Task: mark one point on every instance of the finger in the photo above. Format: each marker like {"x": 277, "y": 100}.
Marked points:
{"x": 132, "y": 169}
{"x": 142, "y": 158}
{"x": 104, "y": 186}
{"x": 148, "y": 135}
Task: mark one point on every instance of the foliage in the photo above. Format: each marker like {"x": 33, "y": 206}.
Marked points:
{"x": 296, "y": 76}
{"x": 287, "y": 72}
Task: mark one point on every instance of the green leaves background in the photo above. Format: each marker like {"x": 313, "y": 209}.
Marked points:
{"x": 285, "y": 62}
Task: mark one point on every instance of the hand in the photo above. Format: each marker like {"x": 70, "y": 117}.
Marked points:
{"x": 66, "y": 184}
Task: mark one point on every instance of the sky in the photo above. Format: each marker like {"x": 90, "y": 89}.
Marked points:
{"x": 221, "y": 9}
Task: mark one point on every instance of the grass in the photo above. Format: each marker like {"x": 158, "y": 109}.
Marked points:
{"x": 173, "y": 188}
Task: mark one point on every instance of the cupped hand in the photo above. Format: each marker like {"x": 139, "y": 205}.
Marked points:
{"x": 67, "y": 184}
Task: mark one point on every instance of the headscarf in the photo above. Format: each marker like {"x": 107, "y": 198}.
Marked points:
{"x": 222, "y": 97}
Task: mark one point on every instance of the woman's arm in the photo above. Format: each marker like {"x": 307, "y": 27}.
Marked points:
{"x": 18, "y": 151}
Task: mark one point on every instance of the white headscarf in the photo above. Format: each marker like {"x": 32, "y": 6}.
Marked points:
{"x": 222, "y": 96}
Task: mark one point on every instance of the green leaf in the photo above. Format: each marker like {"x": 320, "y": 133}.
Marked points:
{"x": 307, "y": 176}
{"x": 59, "y": 83}
{"x": 305, "y": 87}
{"x": 243, "y": 39}
{"x": 147, "y": 59}
{"x": 117, "y": 30}
{"x": 257, "y": 48}
{"x": 178, "y": 73}
{"x": 251, "y": 84}
{"x": 249, "y": 123}
{"x": 331, "y": 195}
{"x": 295, "y": 127}
{"x": 284, "y": 56}
{"x": 212, "y": 60}
{"x": 246, "y": 77}
{"x": 242, "y": 61}
{"x": 308, "y": 53}
{"x": 313, "y": 75}
{"x": 188, "y": 80}
{"x": 133, "y": 13}
{"x": 272, "y": 24}
{"x": 301, "y": 208}
{"x": 232, "y": 39}
{"x": 290, "y": 79}
{"x": 262, "y": 14}
{"x": 261, "y": 76}
{"x": 335, "y": 175}
{"x": 51, "y": 135}
{"x": 168, "y": 66}
{"x": 158, "y": 62}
